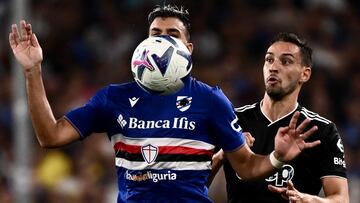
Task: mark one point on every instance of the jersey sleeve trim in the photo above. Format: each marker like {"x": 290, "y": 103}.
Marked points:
{"x": 235, "y": 149}
{"x": 74, "y": 126}
{"x": 333, "y": 176}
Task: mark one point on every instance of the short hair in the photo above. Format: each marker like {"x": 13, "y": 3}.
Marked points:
{"x": 305, "y": 50}
{"x": 172, "y": 11}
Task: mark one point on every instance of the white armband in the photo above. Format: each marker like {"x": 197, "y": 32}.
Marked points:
{"x": 274, "y": 161}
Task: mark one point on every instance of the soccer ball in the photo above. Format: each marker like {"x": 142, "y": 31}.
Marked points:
{"x": 160, "y": 63}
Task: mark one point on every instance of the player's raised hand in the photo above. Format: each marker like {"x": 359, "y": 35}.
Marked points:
{"x": 290, "y": 140}
{"x": 25, "y": 46}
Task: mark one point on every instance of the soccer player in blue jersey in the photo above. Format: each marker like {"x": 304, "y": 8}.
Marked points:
{"x": 163, "y": 154}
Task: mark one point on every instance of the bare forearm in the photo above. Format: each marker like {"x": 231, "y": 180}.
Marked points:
{"x": 329, "y": 199}
{"x": 258, "y": 167}
{"x": 42, "y": 116}
{"x": 249, "y": 165}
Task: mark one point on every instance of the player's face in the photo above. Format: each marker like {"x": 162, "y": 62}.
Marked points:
{"x": 283, "y": 70}
{"x": 170, "y": 26}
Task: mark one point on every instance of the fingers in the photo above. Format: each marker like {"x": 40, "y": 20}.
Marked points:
{"x": 283, "y": 130}
{"x": 306, "y": 134}
{"x": 294, "y": 120}
{"x": 24, "y": 33}
{"x": 249, "y": 139}
{"x": 12, "y": 41}
{"x": 29, "y": 29}
{"x": 290, "y": 185}
{"x": 276, "y": 189}
{"x": 312, "y": 144}
{"x": 14, "y": 36}
{"x": 303, "y": 125}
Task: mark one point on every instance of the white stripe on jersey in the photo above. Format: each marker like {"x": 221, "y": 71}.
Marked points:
{"x": 313, "y": 116}
{"x": 177, "y": 165}
{"x": 196, "y": 144}
{"x": 243, "y": 108}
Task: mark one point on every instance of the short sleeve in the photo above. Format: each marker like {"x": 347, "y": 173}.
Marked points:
{"x": 224, "y": 126}
{"x": 90, "y": 118}
{"x": 333, "y": 160}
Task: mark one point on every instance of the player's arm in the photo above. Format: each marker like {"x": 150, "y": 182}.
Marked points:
{"x": 335, "y": 191}
{"x": 216, "y": 163}
{"x": 289, "y": 142}
{"x": 49, "y": 131}
{"x": 249, "y": 165}
{"x": 219, "y": 158}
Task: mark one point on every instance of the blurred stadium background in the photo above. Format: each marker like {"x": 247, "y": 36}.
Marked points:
{"x": 88, "y": 44}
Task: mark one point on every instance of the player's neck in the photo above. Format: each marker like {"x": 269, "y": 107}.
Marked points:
{"x": 276, "y": 109}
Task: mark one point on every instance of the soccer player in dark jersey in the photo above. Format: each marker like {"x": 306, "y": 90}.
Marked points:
{"x": 287, "y": 67}
{"x": 163, "y": 152}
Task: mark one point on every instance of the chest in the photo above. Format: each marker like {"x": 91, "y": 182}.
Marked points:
{"x": 151, "y": 117}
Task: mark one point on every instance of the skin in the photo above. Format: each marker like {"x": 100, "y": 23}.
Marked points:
{"x": 55, "y": 133}
{"x": 170, "y": 26}
{"x": 284, "y": 74}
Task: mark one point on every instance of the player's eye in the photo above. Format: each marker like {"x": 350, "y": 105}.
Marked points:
{"x": 153, "y": 34}
{"x": 286, "y": 61}
{"x": 176, "y": 35}
{"x": 269, "y": 59}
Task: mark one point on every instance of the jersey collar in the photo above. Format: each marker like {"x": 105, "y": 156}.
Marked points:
{"x": 272, "y": 122}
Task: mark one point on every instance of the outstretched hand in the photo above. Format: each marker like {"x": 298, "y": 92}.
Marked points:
{"x": 290, "y": 193}
{"x": 25, "y": 46}
{"x": 290, "y": 140}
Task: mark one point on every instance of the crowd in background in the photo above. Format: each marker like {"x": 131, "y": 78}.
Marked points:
{"x": 88, "y": 44}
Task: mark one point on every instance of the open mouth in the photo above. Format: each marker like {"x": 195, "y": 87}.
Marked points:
{"x": 272, "y": 79}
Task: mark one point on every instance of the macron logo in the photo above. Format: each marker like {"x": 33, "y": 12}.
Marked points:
{"x": 133, "y": 101}
{"x": 121, "y": 121}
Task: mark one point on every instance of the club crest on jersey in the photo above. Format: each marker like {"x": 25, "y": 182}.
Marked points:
{"x": 183, "y": 103}
{"x": 122, "y": 122}
{"x": 149, "y": 153}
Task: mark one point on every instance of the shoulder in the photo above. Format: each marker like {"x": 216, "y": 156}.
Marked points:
{"x": 114, "y": 92}
{"x": 212, "y": 93}
{"x": 326, "y": 128}
{"x": 246, "y": 108}
{"x": 122, "y": 87}
{"x": 201, "y": 87}
{"x": 248, "y": 111}
{"x": 315, "y": 117}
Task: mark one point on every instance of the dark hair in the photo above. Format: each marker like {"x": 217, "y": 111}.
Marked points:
{"x": 172, "y": 11}
{"x": 306, "y": 51}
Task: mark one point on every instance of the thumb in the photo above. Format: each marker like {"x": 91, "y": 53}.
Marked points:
{"x": 34, "y": 40}
{"x": 290, "y": 185}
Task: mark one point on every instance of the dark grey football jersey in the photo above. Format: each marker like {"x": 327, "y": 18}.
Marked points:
{"x": 305, "y": 171}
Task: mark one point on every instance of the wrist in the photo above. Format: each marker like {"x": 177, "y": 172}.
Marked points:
{"x": 275, "y": 162}
{"x": 33, "y": 71}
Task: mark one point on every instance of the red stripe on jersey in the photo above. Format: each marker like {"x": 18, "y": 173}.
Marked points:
{"x": 184, "y": 150}
{"x": 135, "y": 149}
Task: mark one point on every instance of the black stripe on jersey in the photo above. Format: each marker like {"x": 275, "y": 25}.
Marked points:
{"x": 165, "y": 157}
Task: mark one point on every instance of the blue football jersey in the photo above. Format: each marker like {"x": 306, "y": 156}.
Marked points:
{"x": 163, "y": 143}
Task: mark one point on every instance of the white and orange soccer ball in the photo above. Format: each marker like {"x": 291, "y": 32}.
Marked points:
{"x": 160, "y": 63}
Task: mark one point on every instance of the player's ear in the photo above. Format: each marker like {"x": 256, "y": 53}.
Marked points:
{"x": 305, "y": 75}
{"x": 190, "y": 47}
